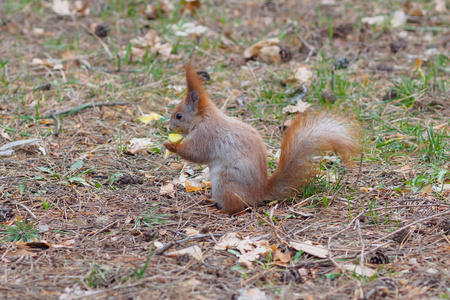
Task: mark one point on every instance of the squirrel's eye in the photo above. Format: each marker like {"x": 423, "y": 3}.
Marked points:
{"x": 179, "y": 116}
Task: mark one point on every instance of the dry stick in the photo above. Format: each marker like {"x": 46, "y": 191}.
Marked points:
{"x": 413, "y": 223}
{"x": 104, "y": 228}
{"x": 361, "y": 260}
{"x": 254, "y": 76}
{"x": 311, "y": 48}
{"x": 411, "y": 206}
{"x": 69, "y": 111}
{"x": 29, "y": 211}
{"x": 105, "y": 46}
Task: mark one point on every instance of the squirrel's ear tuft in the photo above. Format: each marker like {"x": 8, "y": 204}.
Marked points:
{"x": 194, "y": 83}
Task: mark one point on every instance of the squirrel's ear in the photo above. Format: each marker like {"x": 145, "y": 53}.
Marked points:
{"x": 193, "y": 99}
{"x": 195, "y": 92}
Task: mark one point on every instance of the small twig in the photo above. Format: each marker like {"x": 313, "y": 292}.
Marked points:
{"x": 104, "y": 228}
{"x": 28, "y": 210}
{"x": 256, "y": 78}
{"x": 324, "y": 261}
{"x": 55, "y": 115}
{"x": 361, "y": 261}
{"x": 70, "y": 111}
{"x": 411, "y": 224}
{"x": 105, "y": 46}
{"x": 311, "y": 48}
{"x": 411, "y": 206}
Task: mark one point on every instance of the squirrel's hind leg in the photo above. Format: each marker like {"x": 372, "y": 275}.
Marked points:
{"x": 231, "y": 202}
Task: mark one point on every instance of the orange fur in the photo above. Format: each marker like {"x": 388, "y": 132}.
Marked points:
{"x": 236, "y": 153}
{"x": 194, "y": 83}
{"x": 304, "y": 139}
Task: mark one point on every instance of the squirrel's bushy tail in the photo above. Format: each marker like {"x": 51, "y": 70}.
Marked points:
{"x": 305, "y": 138}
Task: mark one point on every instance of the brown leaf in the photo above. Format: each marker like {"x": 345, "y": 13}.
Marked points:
{"x": 193, "y": 251}
{"x": 414, "y": 9}
{"x": 66, "y": 244}
{"x": 163, "y": 7}
{"x": 271, "y": 54}
{"x": 255, "y": 49}
{"x": 190, "y": 6}
{"x": 427, "y": 190}
{"x": 20, "y": 253}
{"x": 298, "y": 108}
{"x": 308, "y": 247}
{"x": 167, "y": 189}
{"x": 61, "y": 7}
{"x": 441, "y": 6}
{"x": 36, "y": 245}
{"x": 282, "y": 259}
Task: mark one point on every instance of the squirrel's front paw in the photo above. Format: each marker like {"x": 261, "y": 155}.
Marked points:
{"x": 170, "y": 146}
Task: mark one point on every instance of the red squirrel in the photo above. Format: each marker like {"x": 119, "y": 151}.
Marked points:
{"x": 236, "y": 154}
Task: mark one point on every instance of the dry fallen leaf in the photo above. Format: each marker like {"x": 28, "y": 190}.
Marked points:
{"x": 249, "y": 248}
{"x": 61, "y": 7}
{"x": 136, "y": 145}
{"x": 66, "y": 244}
{"x": 193, "y": 251}
{"x": 414, "y": 9}
{"x": 194, "y": 185}
{"x": 149, "y": 43}
{"x": 151, "y": 117}
{"x": 21, "y": 252}
{"x": 164, "y": 7}
{"x": 308, "y": 247}
{"x": 270, "y": 54}
{"x": 298, "y": 108}
{"x": 251, "y": 294}
{"x": 167, "y": 189}
{"x": 376, "y": 20}
{"x": 189, "y": 28}
{"x": 81, "y": 8}
{"x": 41, "y": 62}
{"x": 190, "y": 6}
{"x": 398, "y": 19}
{"x": 304, "y": 74}
{"x": 191, "y": 283}
{"x": 427, "y": 190}
{"x": 441, "y": 6}
{"x": 357, "y": 269}
{"x": 192, "y": 231}
{"x": 268, "y": 50}
{"x": 282, "y": 258}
